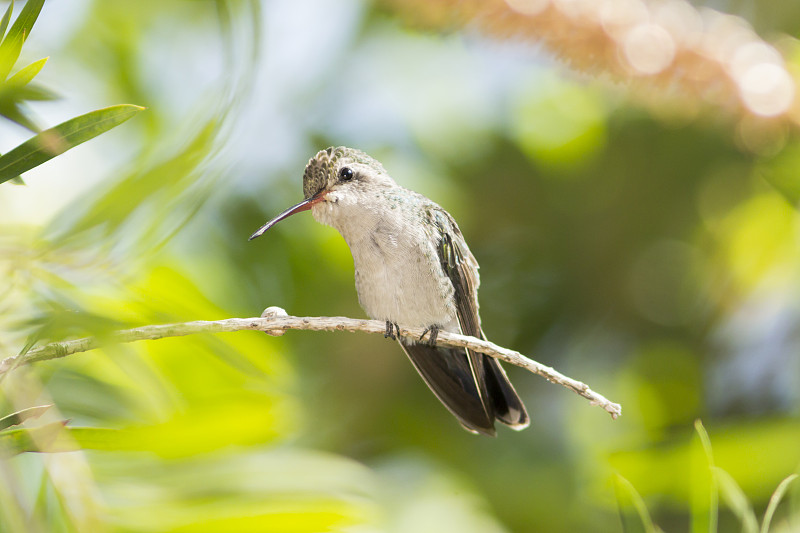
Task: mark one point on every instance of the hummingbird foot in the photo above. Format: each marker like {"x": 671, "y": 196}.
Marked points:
{"x": 434, "y": 334}
{"x": 390, "y": 329}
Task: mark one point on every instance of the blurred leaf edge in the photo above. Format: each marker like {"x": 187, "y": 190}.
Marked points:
{"x": 57, "y": 140}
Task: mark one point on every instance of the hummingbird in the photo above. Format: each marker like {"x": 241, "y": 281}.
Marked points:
{"x": 412, "y": 267}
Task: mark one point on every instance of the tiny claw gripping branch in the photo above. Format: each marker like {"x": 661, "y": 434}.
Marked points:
{"x": 434, "y": 335}
{"x": 390, "y": 331}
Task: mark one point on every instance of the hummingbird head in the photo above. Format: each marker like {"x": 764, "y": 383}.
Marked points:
{"x": 336, "y": 177}
{"x": 340, "y": 168}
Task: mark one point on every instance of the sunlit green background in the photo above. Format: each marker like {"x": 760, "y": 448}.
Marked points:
{"x": 650, "y": 257}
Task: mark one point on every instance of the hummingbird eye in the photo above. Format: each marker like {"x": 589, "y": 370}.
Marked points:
{"x": 346, "y": 174}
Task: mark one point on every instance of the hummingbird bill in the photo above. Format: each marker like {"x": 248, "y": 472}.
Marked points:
{"x": 412, "y": 267}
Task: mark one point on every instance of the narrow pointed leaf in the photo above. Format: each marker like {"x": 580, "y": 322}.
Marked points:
{"x": 12, "y": 44}
{"x": 61, "y": 138}
{"x": 57, "y": 437}
{"x": 6, "y": 18}
{"x": 27, "y": 17}
{"x": 774, "y": 501}
{"x": 15, "y": 114}
{"x": 49, "y": 437}
{"x": 26, "y": 74}
{"x": 628, "y": 499}
{"x": 111, "y": 209}
{"x": 12, "y": 98}
{"x": 705, "y": 504}
{"x": 20, "y": 416}
{"x": 737, "y": 501}
{"x": 9, "y": 53}
{"x": 705, "y": 441}
{"x": 32, "y": 91}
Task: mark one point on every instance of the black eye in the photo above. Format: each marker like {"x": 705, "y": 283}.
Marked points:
{"x": 346, "y": 174}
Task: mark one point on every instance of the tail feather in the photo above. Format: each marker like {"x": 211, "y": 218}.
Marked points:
{"x": 449, "y": 375}
{"x": 476, "y": 396}
{"x": 508, "y": 407}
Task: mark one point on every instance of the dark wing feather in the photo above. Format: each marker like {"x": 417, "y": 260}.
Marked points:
{"x": 499, "y": 397}
{"x": 508, "y": 407}
{"x": 456, "y": 376}
{"x": 448, "y": 373}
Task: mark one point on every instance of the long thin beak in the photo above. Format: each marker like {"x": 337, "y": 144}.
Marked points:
{"x": 305, "y": 205}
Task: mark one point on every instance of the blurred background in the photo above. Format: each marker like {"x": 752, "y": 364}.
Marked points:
{"x": 634, "y": 233}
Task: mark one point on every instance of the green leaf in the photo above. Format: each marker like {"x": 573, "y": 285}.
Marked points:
{"x": 6, "y": 18}
{"x": 89, "y": 438}
{"x": 26, "y": 74}
{"x": 57, "y": 437}
{"x": 16, "y": 181}
{"x": 61, "y": 138}
{"x": 20, "y": 416}
{"x": 705, "y": 441}
{"x": 12, "y": 98}
{"x": 9, "y": 53}
{"x": 177, "y": 438}
{"x": 19, "y": 93}
{"x": 50, "y": 438}
{"x": 173, "y": 175}
{"x": 774, "y": 501}
{"x": 628, "y": 498}
{"x": 704, "y": 487}
{"x": 14, "y": 113}
{"x": 12, "y": 44}
{"x": 737, "y": 501}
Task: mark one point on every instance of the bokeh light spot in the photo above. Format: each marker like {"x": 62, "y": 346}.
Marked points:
{"x": 558, "y": 122}
{"x": 649, "y": 49}
{"x": 766, "y": 89}
{"x": 528, "y": 7}
{"x": 760, "y": 242}
{"x": 618, "y": 16}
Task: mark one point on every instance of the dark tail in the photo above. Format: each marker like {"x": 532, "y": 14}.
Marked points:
{"x": 508, "y": 407}
{"x": 472, "y": 386}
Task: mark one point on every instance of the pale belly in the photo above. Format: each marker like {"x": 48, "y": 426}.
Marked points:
{"x": 400, "y": 280}
{"x": 397, "y": 268}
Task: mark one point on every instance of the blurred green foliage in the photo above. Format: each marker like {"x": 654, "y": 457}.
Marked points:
{"x": 16, "y": 90}
{"x": 651, "y": 257}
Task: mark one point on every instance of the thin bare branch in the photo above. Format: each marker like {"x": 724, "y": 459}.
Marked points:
{"x": 275, "y": 325}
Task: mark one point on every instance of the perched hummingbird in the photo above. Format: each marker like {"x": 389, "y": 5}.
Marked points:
{"x": 412, "y": 267}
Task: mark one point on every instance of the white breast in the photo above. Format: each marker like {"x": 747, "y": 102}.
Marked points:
{"x": 397, "y": 271}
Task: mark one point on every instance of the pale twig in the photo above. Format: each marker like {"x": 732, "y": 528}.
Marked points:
{"x": 277, "y": 324}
